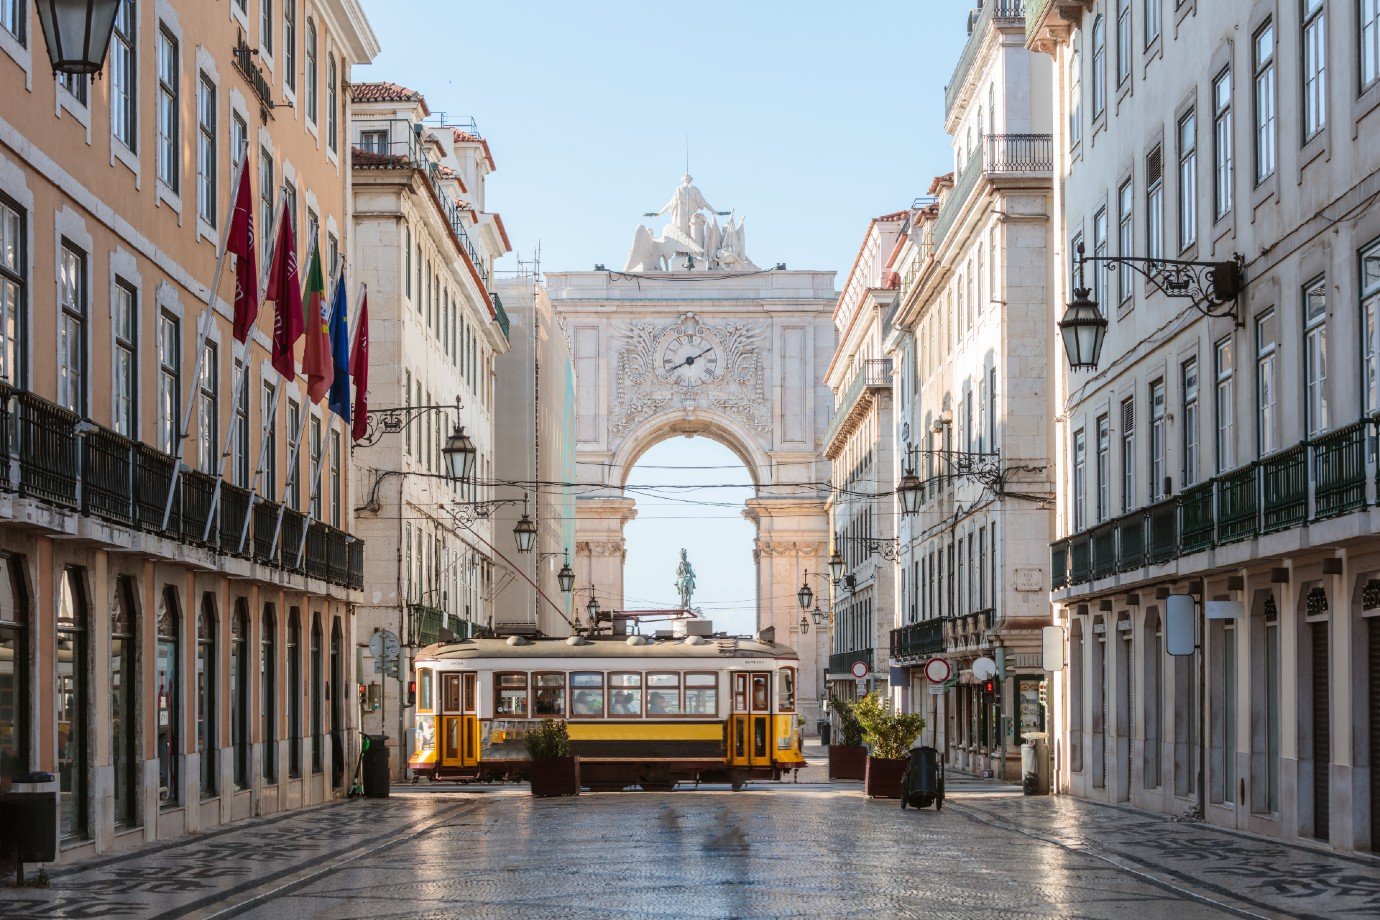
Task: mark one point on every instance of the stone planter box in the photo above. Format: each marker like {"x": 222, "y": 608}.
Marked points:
{"x": 883, "y": 780}
{"x": 557, "y": 777}
{"x": 847, "y": 761}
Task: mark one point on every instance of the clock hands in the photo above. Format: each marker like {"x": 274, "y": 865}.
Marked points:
{"x": 688, "y": 362}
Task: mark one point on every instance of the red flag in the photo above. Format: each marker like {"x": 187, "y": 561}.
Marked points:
{"x": 359, "y": 370}
{"x": 316, "y": 359}
{"x": 241, "y": 245}
{"x": 285, "y": 290}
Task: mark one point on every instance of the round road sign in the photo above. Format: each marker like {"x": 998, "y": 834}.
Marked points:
{"x": 860, "y": 669}
{"x": 938, "y": 670}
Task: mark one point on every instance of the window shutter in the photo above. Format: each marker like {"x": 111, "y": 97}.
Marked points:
{"x": 1154, "y": 167}
{"x": 1128, "y": 417}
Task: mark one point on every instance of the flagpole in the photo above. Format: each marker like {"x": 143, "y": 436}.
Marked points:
{"x": 301, "y": 432}
{"x": 202, "y": 332}
{"x": 236, "y": 394}
{"x": 271, "y": 418}
{"x": 315, "y": 493}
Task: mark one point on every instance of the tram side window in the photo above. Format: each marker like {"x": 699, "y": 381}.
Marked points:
{"x": 663, "y": 695}
{"x": 761, "y": 693}
{"x": 785, "y": 690}
{"x": 701, "y": 694}
{"x": 425, "y": 693}
{"x": 548, "y": 695}
{"x": 587, "y": 694}
{"x": 510, "y": 695}
{"x": 625, "y": 694}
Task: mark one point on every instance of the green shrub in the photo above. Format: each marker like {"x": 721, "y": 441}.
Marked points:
{"x": 850, "y": 729}
{"x": 888, "y": 734}
{"x": 548, "y": 741}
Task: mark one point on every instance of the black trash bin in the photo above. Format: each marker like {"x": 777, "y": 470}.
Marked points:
{"x": 922, "y": 784}
{"x": 824, "y": 729}
{"x": 28, "y": 829}
{"x": 376, "y": 774}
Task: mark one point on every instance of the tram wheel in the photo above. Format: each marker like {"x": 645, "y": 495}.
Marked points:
{"x": 738, "y": 785}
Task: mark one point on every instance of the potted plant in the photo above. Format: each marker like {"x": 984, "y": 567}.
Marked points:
{"x": 888, "y": 735}
{"x": 554, "y": 771}
{"x": 847, "y": 756}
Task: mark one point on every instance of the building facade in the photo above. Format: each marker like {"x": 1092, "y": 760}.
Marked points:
{"x": 535, "y": 449}
{"x": 425, "y": 249}
{"x": 970, "y": 340}
{"x": 176, "y": 600}
{"x": 860, "y": 442}
{"x": 1222, "y": 448}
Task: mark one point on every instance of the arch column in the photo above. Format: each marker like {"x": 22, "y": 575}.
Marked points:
{"x": 600, "y": 550}
{"x": 792, "y": 537}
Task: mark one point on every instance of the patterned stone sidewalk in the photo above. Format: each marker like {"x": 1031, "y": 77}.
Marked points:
{"x": 203, "y": 873}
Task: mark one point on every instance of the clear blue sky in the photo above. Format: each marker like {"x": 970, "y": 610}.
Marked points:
{"x": 808, "y": 118}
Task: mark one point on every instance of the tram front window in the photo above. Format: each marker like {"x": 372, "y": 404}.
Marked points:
{"x": 785, "y": 689}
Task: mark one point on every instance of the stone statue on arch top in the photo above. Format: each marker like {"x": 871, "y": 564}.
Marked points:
{"x": 685, "y": 580}
{"x": 685, "y": 203}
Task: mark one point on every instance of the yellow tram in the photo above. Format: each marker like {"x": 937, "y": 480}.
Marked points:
{"x": 640, "y": 710}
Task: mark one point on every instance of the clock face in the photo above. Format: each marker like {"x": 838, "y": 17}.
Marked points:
{"x": 689, "y": 359}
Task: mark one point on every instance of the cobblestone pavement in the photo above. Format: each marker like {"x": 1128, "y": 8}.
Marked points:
{"x": 811, "y": 849}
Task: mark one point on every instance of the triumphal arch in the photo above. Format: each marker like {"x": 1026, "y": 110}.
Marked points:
{"x": 692, "y": 338}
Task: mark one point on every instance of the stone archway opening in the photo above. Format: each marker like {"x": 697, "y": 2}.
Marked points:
{"x": 690, "y": 494}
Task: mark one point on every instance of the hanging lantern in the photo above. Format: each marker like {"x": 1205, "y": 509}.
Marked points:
{"x": 835, "y": 566}
{"x": 910, "y": 490}
{"x": 77, "y": 33}
{"x": 566, "y": 577}
{"x": 1083, "y": 329}
{"x": 459, "y": 454}
{"x": 804, "y": 624}
{"x": 805, "y": 596}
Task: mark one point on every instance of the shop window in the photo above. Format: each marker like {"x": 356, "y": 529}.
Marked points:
{"x": 73, "y": 695}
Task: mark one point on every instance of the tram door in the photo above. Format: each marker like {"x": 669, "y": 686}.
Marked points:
{"x": 749, "y": 737}
{"x": 459, "y": 727}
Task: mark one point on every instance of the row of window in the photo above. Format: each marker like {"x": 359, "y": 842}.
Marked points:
{"x": 855, "y": 625}
{"x": 439, "y": 306}
{"x": 1265, "y": 340}
{"x": 442, "y": 572}
{"x": 953, "y": 576}
{"x": 74, "y": 387}
{"x": 596, "y": 695}
{"x": 75, "y": 693}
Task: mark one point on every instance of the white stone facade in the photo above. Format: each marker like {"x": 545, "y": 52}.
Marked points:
{"x": 971, "y": 344}
{"x": 426, "y": 253}
{"x": 1228, "y": 457}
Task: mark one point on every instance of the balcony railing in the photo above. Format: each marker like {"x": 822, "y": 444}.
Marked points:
{"x": 873, "y": 373}
{"x": 842, "y": 662}
{"x": 1313, "y": 480}
{"x": 992, "y": 9}
{"x": 1005, "y": 154}
{"x": 918, "y": 640}
{"x": 76, "y": 464}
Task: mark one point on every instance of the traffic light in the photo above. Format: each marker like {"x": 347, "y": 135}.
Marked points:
{"x": 411, "y": 693}
{"x": 989, "y": 686}
{"x": 363, "y": 696}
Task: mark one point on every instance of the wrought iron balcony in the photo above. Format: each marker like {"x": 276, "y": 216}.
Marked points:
{"x": 1313, "y": 480}
{"x": 873, "y": 375}
{"x": 1002, "y": 155}
{"x": 49, "y": 454}
{"x": 918, "y": 640}
{"x": 842, "y": 662}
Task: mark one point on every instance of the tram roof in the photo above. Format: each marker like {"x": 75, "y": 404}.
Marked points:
{"x": 607, "y": 647}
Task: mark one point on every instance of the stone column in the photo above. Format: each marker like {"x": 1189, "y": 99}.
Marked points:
{"x": 600, "y": 550}
{"x": 793, "y": 537}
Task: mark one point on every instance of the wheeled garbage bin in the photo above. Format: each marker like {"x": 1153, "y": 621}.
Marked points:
{"x": 922, "y": 784}
{"x": 376, "y": 778}
{"x": 824, "y": 728}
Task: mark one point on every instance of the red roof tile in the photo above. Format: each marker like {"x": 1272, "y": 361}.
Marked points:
{"x": 388, "y": 92}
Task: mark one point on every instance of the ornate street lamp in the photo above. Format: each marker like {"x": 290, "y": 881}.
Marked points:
{"x": 566, "y": 577}
{"x": 1083, "y": 329}
{"x": 526, "y": 531}
{"x": 459, "y": 454}
{"x": 804, "y": 624}
{"x": 835, "y": 566}
{"x": 592, "y": 608}
{"x": 78, "y": 33}
{"x": 910, "y": 490}
{"x": 805, "y": 596}
{"x": 818, "y": 616}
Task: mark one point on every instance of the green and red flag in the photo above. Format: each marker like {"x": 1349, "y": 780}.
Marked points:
{"x": 316, "y": 359}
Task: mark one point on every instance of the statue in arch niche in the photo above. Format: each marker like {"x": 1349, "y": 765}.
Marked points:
{"x": 692, "y": 239}
{"x": 685, "y": 580}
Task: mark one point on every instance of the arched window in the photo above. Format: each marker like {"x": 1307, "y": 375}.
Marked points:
{"x": 206, "y": 694}
{"x": 166, "y": 681}
{"x": 294, "y": 692}
{"x": 239, "y": 690}
{"x": 1075, "y": 97}
{"x": 337, "y": 697}
{"x": 14, "y": 672}
{"x": 73, "y": 694}
{"x": 268, "y": 692}
{"x": 316, "y": 687}
{"x": 311, "y": 89}
{"x": 124, "y": 698}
